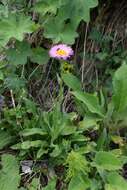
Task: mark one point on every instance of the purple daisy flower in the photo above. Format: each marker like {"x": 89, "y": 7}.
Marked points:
{"x": 61, "y": 51}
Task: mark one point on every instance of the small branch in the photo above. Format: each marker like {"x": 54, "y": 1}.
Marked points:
{"x": 84, "y": 53}
{"x": 12, "y": 98}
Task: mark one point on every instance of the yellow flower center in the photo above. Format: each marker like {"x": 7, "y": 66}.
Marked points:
{"x": 61, "y": 52}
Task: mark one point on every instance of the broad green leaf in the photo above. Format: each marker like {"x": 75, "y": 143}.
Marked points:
{"x": 90, "y": 100}
{"x": 1, "y": 76}
{"x": 5, "y": 139}
{"x": 80, "y": 10}
{"x": 34, "y": 184}
{"x": 41, "y": 151}
{"x": 68, "y": 34}
{"x": 33, "y": 131}
{"x": 59, "y": 31}
{"x": 14, "y": 82}
{"x": 19, "y": 54}
{"x": 116, "y": 182}
{"x": 30, "y": 105}
{"x": 88, "y": 123}
{"x": 71, "y": 81}
{"x": 120, "y": 88}
{"x": 15, "y": 26}
{"x": 76, "y": 11}
{"x": 78, "y": 138}
{"x": 9, "y": 174}
{"x": 55, "y": 132}
{"x": 95, "y": 184}
{"x": 117, "y": 140}
{"x": 27, "y": 145}
{"x": 68, "y": 130}
{"x": 107, "y": 161}
{"x": 110, "y": 110}
{"x": 109, "y": 187}
{"x": 79, "y": 182}
{"x": 3, "y": 10}
{"x": 51, "y": 185}
{"x": 39, "y": 55}
{"x": 56, "y": 151}
{"x": 87, "y": 148}
{"x": 102, "y": 56}
{"x": 45, "y": 6}
{"x": 102, "y": 140}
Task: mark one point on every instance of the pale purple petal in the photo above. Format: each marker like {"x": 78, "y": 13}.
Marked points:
{"x": 53, "y": 51}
